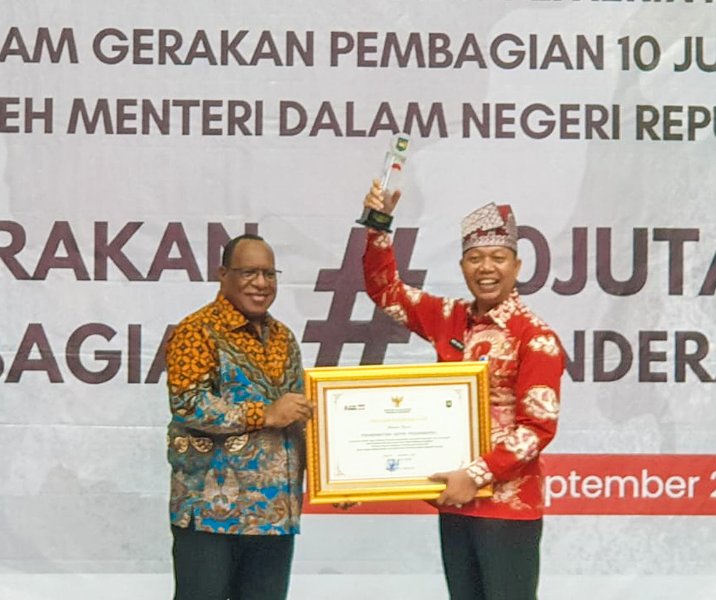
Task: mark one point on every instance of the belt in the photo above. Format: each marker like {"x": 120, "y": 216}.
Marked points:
{"x": 233, "y": 444}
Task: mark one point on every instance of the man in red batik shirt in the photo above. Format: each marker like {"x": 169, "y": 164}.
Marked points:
{"x": 490, "y": 546}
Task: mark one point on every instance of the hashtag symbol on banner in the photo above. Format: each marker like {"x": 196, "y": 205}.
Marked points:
{"x": 346, "y": 283}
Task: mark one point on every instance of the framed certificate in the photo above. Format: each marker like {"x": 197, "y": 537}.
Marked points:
{"x": 378, "y": 432}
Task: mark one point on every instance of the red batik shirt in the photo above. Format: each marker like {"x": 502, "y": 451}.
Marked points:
{"x": 526, "y": 362}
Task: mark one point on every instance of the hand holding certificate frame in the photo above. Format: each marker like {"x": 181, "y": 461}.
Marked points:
{"x": 378, "y": 432}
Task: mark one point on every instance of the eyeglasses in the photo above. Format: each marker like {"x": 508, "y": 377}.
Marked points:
{"x": 251, "y": 274}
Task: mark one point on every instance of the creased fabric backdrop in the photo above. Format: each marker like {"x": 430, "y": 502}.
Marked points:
{"x": 135, "y": 138}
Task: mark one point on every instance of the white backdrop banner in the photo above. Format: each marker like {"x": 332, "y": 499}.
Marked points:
{"x": 136, "y": 138}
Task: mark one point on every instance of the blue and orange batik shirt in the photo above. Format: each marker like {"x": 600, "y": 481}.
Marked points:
{"x": 229, "y": 473}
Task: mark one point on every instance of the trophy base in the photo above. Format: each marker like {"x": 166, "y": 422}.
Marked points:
{"x": 376, "y": 220}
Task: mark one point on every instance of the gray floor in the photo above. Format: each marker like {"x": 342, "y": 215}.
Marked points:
{"x": 354, "y": 587}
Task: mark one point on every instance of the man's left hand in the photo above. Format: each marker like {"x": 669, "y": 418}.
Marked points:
{"x": 460, "y": 489}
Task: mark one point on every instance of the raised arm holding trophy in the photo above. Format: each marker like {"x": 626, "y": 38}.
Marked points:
{"x": 377, "y": 218}
{"x": 490, "y": 545}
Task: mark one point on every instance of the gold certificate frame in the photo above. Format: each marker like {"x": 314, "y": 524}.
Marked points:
{"x": 378, "y": 432}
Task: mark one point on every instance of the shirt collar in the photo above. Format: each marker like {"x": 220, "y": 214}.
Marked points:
{"x": 234, "y": 319}
{"x": 502, "y": 313}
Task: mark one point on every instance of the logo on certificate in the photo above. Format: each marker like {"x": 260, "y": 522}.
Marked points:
{"x": 397, "y": 406}
{"x": 392, "y": 464}
{"x": 448, "y": 403}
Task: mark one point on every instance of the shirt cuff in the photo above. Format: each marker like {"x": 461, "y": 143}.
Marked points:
{"x": 255, "y": 415}
{"x": 480, "y": 473}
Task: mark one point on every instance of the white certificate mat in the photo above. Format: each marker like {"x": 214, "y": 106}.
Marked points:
{"x": 397, "y": 431}
{"x": 378, "y": 432}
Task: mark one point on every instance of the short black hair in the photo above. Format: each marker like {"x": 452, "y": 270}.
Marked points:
{"x": 229, "y": 248}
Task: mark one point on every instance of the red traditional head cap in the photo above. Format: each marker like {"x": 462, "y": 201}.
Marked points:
{"x": 490, "y": 225}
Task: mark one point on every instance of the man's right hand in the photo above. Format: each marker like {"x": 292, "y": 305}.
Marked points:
{"x": 377, "y": 200}
{"x": 288, "y": 409}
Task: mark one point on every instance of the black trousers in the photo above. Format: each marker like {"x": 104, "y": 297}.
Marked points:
{"x": 216, "y": 566}
{"x": 490, "y": 559}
